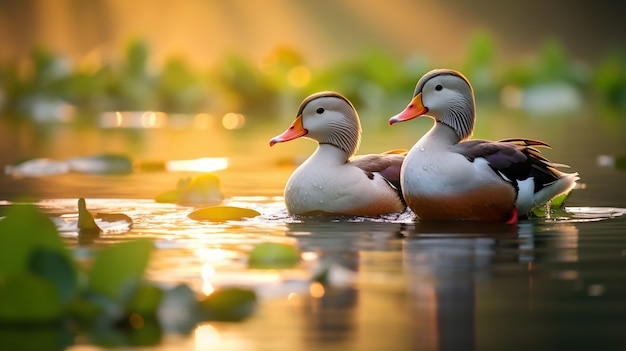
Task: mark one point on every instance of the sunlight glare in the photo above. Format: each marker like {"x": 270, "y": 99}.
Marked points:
{"x": 208, "y": 272}
{"x": 151, "y": 119}
{"x": 233, "y": 120}
{"x": 207, "y": 337}
{"x": 202, "y": 121}
{"x": 205, "y": 164}
{"x": 316, "y": 290}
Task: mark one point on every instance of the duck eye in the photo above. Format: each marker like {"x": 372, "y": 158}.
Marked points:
{"x": 319, "y": 110}
{"x": 438, "y": 87}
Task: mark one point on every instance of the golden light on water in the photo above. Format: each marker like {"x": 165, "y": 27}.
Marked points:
{"x": 233, "y": 120}
{"x": 208, "y": 272}
{"x": 206, "y": 337}
{"x": 205, "y": 164}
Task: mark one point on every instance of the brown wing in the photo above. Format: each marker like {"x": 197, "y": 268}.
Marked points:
{"x": 386, "y": 164}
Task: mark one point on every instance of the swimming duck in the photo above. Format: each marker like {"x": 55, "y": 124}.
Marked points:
{"x": 332, "y": 180}
{"x": 446, "y": 176}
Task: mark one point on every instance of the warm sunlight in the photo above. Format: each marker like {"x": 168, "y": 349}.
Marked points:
{"x": 233, "y": 120}
{"x": 205, "y": 164}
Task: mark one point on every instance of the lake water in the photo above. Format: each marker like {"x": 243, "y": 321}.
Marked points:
{"x": 399, "y": 285}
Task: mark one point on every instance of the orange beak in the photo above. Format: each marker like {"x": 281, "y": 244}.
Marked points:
{"x": 414, "y": 109}
{"x": 295, "y": 131}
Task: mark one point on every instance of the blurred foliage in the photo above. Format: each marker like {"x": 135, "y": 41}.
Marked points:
{"x": 374, "y": 80}
{"x": 107, "y": 298}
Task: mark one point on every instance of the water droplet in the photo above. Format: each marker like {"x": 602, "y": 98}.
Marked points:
{"x": 320, "y": 187}
{"x": 425, "y": 168}
{"x": 422, "y": 149}
{"x": 321, "y": 201}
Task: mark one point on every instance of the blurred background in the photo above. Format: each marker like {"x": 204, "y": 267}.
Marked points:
{"x": 161, "y": 80}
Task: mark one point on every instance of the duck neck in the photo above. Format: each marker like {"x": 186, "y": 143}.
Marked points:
{"x": 329, "y": 153}
{"x": 442, "y": 135}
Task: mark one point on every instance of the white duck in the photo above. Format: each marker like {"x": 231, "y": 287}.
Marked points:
{"x": 445, "y": 176}
{"x": 331, "y": 180}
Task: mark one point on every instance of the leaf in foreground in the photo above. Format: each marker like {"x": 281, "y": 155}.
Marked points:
{"x": 117, "y": 267}
{"x": 229, "y": 305}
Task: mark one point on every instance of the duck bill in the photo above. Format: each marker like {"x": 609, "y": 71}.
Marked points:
{"x": 414, "y": 109}
{"x": 295, "y": 131}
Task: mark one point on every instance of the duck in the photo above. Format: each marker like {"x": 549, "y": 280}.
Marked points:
{"x": 333, "y": 180}
{"x": 447, "y": 175}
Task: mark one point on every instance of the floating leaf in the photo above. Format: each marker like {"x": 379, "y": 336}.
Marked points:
{"x": 29, "y": 299}
{"x": 222, "y": 213}
{"x": 202, "y": 190}
{"x": 230, "y": 305}
{"x": 85, "y": 218}
{"x": 168, "y": 197}
{"x": 273, "y": 256}
{"x": 117, "y": 267}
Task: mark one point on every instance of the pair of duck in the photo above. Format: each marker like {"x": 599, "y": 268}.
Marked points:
{"x": 445, "y": 175}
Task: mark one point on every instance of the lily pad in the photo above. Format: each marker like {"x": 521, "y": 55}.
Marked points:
{"x": 222, "y": 213}
{"x": 230, "y": 304}
{"x": 273, "y": 256}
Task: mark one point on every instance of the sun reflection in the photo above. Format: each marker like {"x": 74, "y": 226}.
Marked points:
{"x": 208, "y": 272}
{"x": 205, "y": 164}
{"x": 207, "y": 337}
{"x": 151, "y": 119}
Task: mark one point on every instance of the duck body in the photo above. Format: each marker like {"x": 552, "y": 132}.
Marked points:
{"x": 447, "y": 176}
{"x": 332, "y": 180}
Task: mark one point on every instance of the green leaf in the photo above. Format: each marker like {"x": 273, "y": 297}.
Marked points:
{"x": 23, "y": 230}
{"x": 273, "y": 256}
{"x": 40, "y": 337}
{"x": 231, "y": 304}
{"x": 118, "y": 267}
{"x": 222, "y": 213}
{"x": 58, "y": 269}
{"x": 145, "y": 300}
{"x": 29, "y": 299}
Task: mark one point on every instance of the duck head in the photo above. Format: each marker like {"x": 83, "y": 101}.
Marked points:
{"x": 328, "y": 118}
{"x": 445, "y": 95}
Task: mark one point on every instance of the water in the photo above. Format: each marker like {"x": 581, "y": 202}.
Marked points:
{"x": 398, "y": 285}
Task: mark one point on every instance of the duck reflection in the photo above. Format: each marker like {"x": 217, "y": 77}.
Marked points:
{"x": 420, "y": 285}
